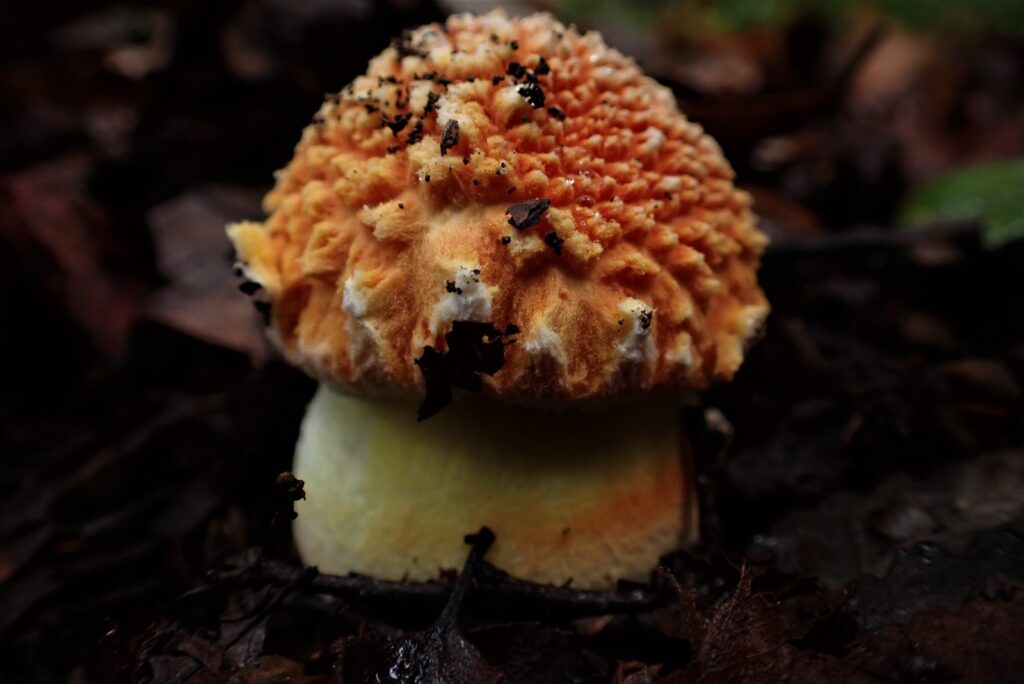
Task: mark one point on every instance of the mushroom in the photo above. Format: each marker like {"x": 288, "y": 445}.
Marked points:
{"x": 508, "y": 224}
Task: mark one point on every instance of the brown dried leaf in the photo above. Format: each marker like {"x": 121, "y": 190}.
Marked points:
{"x": 63, "y": 240}
{"x": 194, "y": 254}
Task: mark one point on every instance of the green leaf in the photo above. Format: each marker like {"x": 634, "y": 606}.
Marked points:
{"x": 992, "y": 193}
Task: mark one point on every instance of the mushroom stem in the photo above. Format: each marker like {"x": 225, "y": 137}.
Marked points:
{"x": 591, "y": 497}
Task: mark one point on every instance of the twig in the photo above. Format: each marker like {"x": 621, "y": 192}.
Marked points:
{"x": 872, "y": 239}
{"x": 489, "y": 591}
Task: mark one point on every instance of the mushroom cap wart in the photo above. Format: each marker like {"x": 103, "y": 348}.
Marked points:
{"x": 509, "y": 171}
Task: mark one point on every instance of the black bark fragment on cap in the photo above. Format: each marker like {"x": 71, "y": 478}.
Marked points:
{"x": 450, "y": 136}
{"x": 416, "y": 134}
{"x": 396, "y": 124}
{"x": 533, "y": 94}
{"x": 404, "y": 46}
{"x": 249, "y": 287}
{"x": 525, "y": 214}
{"x": 554, "y": 242}
{"x": 530, "y": 87}
{"x": 646, "y": 316}
{"x": 474, "y": 348}
{"x": 431, "y": 105}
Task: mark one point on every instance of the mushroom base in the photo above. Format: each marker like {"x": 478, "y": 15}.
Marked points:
{"x": 584, "y": 497}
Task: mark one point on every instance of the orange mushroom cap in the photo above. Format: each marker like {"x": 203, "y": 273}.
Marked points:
{"x": 516, "y": 172}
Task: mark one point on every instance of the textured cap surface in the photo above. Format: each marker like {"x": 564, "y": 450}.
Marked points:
{"x": 514, "y": 172}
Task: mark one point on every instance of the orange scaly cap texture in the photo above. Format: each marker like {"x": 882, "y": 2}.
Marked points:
{"x": 509, "y": 171}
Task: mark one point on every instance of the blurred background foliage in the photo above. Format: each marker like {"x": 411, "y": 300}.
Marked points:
{"x": 992, "y": 193}
{"x": 695, "y": 19}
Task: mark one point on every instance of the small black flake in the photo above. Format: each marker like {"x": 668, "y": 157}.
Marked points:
{"x": 392, "y": 79}
{"x": 416, "y": 134}
{"x": 494, "y": 37}
{"x": 525, "y": 214}
{"x": 401, "y": 205}
{"x": 533, "y": 93}
{"x": 450, "y": 136}
{"x": 393, "y": 148}
{"x": 621, "y": 321}
{"x": 554, "y": 242}
{"x": 557, "y": 113}
{"x": 431, "y": 105}
{"x": 474, "y": 348}
{"x": 511, "y": 190}
{"x": 427, "y": 178}
{"x": 238, "y": 269}
{"x": 514, "y": 44}
{"x": 465, "y": 160}
{"x": 371, "y": 108}
{"x": 542, "y": 68}
{"x": 396, "y": 124}
{"x": 249, "y": 287}
{"x": 495, "y": 80}
{"x": 516, "y": 70}
{"x": 476, "y": 182}
{"x": 645, "y": 318}
{"x": 450, "y": 287}
{"x": 506, "y": 239}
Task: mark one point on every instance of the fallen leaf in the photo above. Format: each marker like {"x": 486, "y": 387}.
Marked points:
{"x": 202, "y": 298}
{"x": 988, "y": 192}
